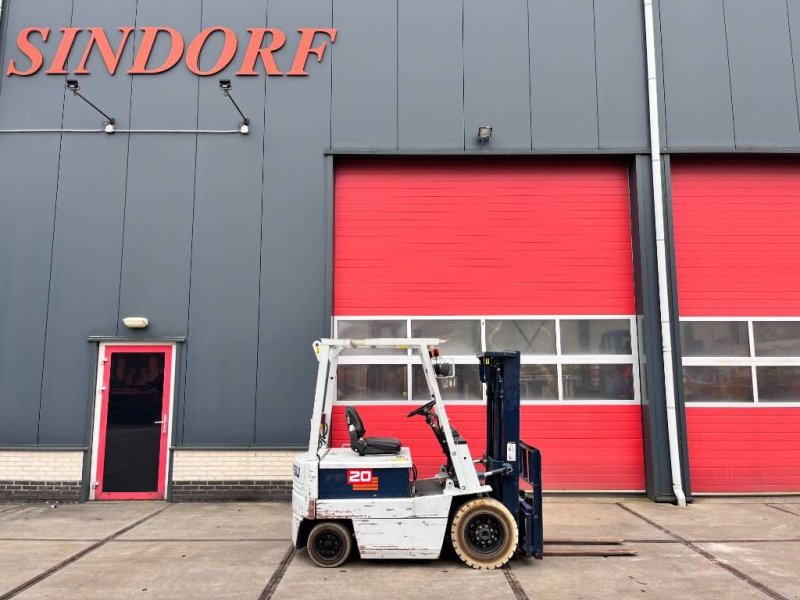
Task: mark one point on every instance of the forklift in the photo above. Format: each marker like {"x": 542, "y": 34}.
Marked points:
{"x": 368, "y": 495}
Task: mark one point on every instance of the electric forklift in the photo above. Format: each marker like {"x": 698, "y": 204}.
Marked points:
{"x": 367, "y": 495}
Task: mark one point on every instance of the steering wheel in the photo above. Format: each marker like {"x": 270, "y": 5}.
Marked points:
{"x": 421, "y": 410}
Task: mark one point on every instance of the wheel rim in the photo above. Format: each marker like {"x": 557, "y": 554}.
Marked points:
{"x": 328, "y": 545}
{"x": 485, "y": 534}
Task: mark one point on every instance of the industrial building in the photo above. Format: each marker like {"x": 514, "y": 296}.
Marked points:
{"x": 192, "y": 192}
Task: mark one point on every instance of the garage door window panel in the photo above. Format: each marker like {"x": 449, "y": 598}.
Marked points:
{"x": 371, "y": 382}
{"x": 465, "y": 385}
{"x": 737, "y": 360}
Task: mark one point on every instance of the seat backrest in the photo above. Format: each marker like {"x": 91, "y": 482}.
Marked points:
{"x": 355, "y": 427}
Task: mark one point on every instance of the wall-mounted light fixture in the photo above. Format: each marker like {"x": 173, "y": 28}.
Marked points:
{"x": 225, "y": 86}
{"x": 136, "y": 322}
{"x": 108, "y": 124}
{"x": 484, "y": 133}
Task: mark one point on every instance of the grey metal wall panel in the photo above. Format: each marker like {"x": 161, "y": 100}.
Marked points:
{"x": 160, "y": 183}
{"x": 88, "y": 228}
{"x": 293, "y": 260}
{"x": 430, "y": 76}
{"x": 364, "y": 62}
{"x": 226, "y": 247}
{"x": 762, "y": 77}
{"x": 563, "y": 82}
{"x": 496, "y": 74}
{"x": 28, "y": 175}
{"x": 696, "y": 82}
{"x": 621, "y": 74}
{"x": 793, "y": 7}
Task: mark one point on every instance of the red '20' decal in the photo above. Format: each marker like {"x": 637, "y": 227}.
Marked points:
{"x": 359, "y": 476}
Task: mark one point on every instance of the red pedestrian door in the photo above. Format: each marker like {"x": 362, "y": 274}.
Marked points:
{"x": 134, "y": 422}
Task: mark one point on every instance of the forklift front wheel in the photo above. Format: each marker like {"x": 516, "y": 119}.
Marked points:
{"x": 329, "y": 544}
{"x": 484, "y": 534}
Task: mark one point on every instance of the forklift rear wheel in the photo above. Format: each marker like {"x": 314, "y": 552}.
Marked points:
{"x": 329, "y": 544}
{"x": 484, "y": 534}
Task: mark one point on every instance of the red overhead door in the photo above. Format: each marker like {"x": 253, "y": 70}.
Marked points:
{"x": 737, "y": 235}
{"x": 493, "y": 237}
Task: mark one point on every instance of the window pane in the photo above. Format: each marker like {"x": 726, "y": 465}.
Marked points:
{"x": 529, "y": 337}
{"x": 723, "y": 384}
{"x": 463, "y": 337}
{"x": 778, "y": 384}
{"x": 371, "y": 329}
{"x": 606, "y": 336}
{"x": 714, "y": 338}
{"x": 466, "y": 385}
{"x": 777, "y": 338}
{"x": 372, "y": 382}
{"x": 538, "y": 382}
{"x": 598, "y": 382}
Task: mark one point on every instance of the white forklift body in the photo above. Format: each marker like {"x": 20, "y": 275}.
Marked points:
{"x": 391, "y": 516}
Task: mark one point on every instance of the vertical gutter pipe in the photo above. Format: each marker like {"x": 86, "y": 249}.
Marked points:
{"x": 661, "y": 254}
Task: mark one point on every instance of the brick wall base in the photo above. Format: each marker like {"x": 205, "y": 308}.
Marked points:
{"x": 231, "y": 490}
{"x": 69, "y": 491}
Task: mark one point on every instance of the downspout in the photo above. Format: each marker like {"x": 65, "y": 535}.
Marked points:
{"x": 661, "y": 254}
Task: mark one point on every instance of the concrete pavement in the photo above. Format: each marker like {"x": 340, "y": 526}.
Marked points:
{"x": 716, "y": 548}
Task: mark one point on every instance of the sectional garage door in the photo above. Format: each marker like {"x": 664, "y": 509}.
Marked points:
{"x": 737, "y": 235}
{"x": 495, "y": 254}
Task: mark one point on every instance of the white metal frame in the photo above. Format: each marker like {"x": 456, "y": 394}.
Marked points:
{"x": 98, "y": 402}
{"x": 751, "y": 361}
{"x": 327, "y": 351}
{"x": 556, "y": 359}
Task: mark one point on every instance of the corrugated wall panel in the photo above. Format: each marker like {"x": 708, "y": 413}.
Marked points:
{"x": 736, "y": 235}
{"x": 482, "y": 237}
{"x": 744, "y": 450}
{"x": 576, "y": 453}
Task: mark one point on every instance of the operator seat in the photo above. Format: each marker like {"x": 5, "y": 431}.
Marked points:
{"x": 362, "y": 445}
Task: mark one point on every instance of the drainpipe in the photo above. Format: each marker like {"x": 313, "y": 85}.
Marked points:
{"x": 661, "y": 254}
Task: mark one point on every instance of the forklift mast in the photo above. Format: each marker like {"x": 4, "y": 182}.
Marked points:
{"x": 508, "y": 458}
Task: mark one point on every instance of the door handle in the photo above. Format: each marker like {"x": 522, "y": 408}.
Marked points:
{"x": 163, "y": 423}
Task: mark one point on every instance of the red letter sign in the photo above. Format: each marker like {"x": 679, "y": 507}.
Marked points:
{"x": 29, "y": 50}
{"x": 59, "y": 64}
{"x": 148, "y": 41}
{"x": 254, "y": 49}
{"x": 226, "y": 56}
{"x": 304, "y": 49}
{"x": 100, "y": 40}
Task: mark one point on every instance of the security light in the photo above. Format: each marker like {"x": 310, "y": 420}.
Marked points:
{"x": 136, "y": 322}
{"x": 484, "y": 133}
{"x": 225, "y": 86}
{"x": 108, "y": 124}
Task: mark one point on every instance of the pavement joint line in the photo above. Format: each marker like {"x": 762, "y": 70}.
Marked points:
{"x": 215, "y": 540}
{"x": 514, "y": 584}
{"x": 23, "y": 539}
{"x": 707, "y": 555}
{"x": 722, "y": 541}
{"x": 277, "y": 576}
{"x": 780, "y": 508}
{"x": 78, "y": 555}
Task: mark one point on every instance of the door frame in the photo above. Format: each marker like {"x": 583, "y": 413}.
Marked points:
{"x": 170, "y": 352}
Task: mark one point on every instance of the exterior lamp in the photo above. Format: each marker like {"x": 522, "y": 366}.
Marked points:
{"x": 108, "y": 124}
{"x": 225, "y": 86}
{"x": 484, "y": 133}
{"x": 136, "y": 322}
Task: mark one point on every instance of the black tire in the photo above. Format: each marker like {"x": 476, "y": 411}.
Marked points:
{"x": 484, "y": 534}
{"x": 329, "y": 544}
